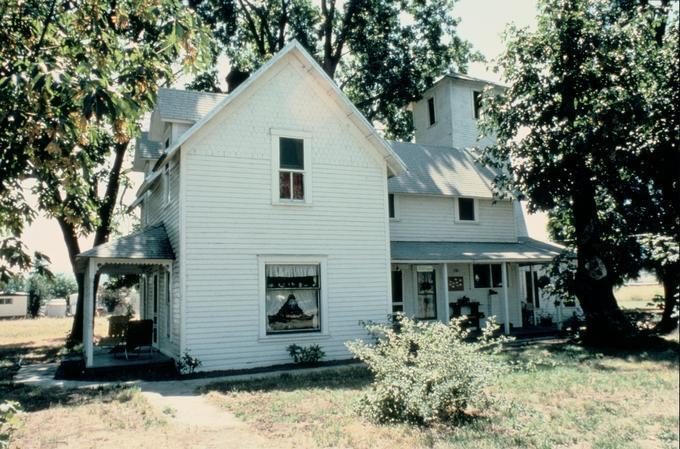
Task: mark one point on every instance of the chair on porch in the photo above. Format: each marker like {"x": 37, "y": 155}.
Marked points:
{"x": 117, "y": 329}
{"x": 139, "y": 334}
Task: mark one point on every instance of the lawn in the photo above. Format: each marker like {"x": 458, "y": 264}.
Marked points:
{"x": 559, "y": 396}
{"x": 637, "y": 296}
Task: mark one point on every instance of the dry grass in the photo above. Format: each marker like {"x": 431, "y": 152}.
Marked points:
{"x": 563, "y": 396}
{"x": 36, "y": 340}
{"x": 637, "y": 296}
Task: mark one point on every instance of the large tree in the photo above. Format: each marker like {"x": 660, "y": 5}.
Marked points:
{"x": 383, "y": 54}
{"x": 76, "y": 77}
{"x": 575, "y": 136}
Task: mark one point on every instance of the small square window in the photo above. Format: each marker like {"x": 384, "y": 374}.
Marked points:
{"x": 430, "y": 110}
{"x": 477, "y": 103}
{"x": 466, "y": 209}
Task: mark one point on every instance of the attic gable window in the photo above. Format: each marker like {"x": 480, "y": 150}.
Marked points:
{"x": 466, "y": 210}
{"x": 291, "y": 168}
{"x": 477, "y": 103}
{"x": 430, "y": 111}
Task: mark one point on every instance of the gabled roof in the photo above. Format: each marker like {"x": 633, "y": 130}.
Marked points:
{"x": 150, "y": 243}
{"x": 394, "y": 164}
{"x": 176, "y": 105}
{"x": 147, "y": 148}
{"x": 439, "y": 170}
{"x": 464, "y": 77}
{"x": 524, "y": 250}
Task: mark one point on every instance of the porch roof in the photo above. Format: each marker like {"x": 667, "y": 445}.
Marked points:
{"x": 524, "y": 250}
{"x": 150, "y": 244}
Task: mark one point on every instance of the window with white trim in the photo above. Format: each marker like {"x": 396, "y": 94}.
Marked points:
{"x": 466, "y": 209}
{"x": 292, "y": 298}
{"x": 166, "y": 184}
{"x": 431, "y": 111}
{"x": 291, "y": 169}
{"x": 477, "y": 103}
{"x": 392, "y": 206}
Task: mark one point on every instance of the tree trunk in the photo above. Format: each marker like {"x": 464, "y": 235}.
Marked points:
{"x": 671, "y": 289}
{"x": 101, "y": 236}
{"x": 606, "y": 323}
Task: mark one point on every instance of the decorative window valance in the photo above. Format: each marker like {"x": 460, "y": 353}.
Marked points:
{"x": 287, "y": 271}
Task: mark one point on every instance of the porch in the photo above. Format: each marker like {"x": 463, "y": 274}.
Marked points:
{"x": 443, "y": 280}
{"x": 146, "y": 253}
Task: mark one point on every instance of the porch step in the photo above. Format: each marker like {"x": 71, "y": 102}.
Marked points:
{"x": 74, "y": 369}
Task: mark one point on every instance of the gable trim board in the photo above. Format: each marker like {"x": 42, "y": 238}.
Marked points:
{"x": 394, "y": 163}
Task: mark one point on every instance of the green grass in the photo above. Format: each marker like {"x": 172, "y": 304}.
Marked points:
{"x": 557, "y": 396}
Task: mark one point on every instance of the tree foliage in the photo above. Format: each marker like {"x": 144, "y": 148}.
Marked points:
{"x": 76, "y": 77}
{"x": 383, "y": 54}
{"x": 587, "y": 132}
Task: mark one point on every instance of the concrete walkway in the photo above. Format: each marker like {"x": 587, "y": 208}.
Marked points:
{"x": 178, "y": 400}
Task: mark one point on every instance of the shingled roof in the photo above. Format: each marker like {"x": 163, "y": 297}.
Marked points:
{"x": 440, "y": 170}
{"x": 525, "y": 250}
{"x": 185, "y": 105}
{"x": 150, "y": 243}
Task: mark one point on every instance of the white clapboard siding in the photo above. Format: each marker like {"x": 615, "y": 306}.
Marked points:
{"x": 230, "y": 220}
{"x": 168, "y": 214}
{"x": 431, "y": 219}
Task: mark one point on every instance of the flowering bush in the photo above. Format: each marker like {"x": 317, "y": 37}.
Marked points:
{"x": 427, "y": 372}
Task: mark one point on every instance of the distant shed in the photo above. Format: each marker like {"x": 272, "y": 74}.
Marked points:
{"x": 13, "y": 305}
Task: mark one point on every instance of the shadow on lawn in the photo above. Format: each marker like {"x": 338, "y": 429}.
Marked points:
{"x": 34, "y": 399}
{"x": 12, "y": 355}
{"x": 657, "y": 350}
{"x": 353, "y": 378}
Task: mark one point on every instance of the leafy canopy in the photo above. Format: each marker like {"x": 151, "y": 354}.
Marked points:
{"x": 383, "y": 54}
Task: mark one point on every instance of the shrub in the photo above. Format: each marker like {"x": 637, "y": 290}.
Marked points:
{"x": 8, "y": 411}
{"x": 187, "y": 364}
{"x": 306, "y": 355}
{"x": 427, "y": 372}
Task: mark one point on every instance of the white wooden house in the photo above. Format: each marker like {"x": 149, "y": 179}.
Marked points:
{"x": 267, "y": 220}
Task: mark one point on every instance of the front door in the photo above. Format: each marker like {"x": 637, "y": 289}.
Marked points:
{"x": 426, "y": 300}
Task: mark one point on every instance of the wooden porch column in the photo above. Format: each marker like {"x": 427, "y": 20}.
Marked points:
{"x": 506, "y": 308}
{"x": 445, "y": 291}
{"x": 88, "y": 313}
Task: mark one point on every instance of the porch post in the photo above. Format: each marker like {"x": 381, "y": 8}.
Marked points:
{"x": 520, "y": 293}
{"x": 88, "y": 313}
{"x": 445, "y": 291}
{"x": 506, "y": 308}
{"x": 533, "y": 292}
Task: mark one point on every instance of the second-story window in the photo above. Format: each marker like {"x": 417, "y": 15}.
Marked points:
{"x": 390, "y": 199}
{"x": 466, "y": 209}
{"x": 477, "y": 103}
{"x": 430, "y": 110}
{"x": 291, "y": 169}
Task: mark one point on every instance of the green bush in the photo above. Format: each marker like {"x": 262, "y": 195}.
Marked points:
{"x": 307, "y": 354}
{"x": 8, "y": 412}
{"x": 427, "y": 372}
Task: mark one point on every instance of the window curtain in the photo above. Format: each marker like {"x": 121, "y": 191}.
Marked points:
{"x": 291, "y": 271}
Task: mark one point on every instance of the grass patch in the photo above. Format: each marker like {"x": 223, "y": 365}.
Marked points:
{"x": 557, "y": 395}
{"x": 37, "y": 340}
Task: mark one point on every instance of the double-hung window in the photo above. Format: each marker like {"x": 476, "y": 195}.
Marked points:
{"x": 291, "y": 169}
{"x": 397, "y": 292}
{"x": 292, "y": 298}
